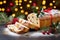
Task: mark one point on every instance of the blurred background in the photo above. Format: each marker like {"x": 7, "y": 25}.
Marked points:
{"x": 17, "y": 7}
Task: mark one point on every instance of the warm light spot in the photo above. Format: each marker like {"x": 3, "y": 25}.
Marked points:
{"x": 21, "y": 7}
{"x": 51, "y": 4}
{"x": 22, "y": 11}
{"x": 1, "y": 2}
{"x": 20, "y": 1}
{"x": 16, "y": 3}
{"x": 26, "y": 13}
{"x": 43, "y": 2}
{"x": 3, "y": 9}
{"x": 54, "y": 6}
{"x": 4, "y": 1}
{"x": 25, "y": 0}
{"x": 28, "y": 5}
{"x": 16, "y": 0}
{"x": 30, "y": 1}
{"x": 13, "y": 15}
{"x": 37, "y": 8}
{"x": 16, "y": 9}
{"x": 44, "y": 7}
{"x": 53, "y": 1}
{"x": 0, "y": 9}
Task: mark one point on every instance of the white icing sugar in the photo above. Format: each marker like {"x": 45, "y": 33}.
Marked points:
{"x": 53, "y": 11}
{"x": 37, "y": 34}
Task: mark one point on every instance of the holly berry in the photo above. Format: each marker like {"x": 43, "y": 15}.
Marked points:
{"x": 11, "y": 4}
{"x": 14, "y": 20}
{"x": 43, "y": 32}
{"x": 34, "y": 4}
{"x": 48, "y": 32}
{"x": 8, "y": 9}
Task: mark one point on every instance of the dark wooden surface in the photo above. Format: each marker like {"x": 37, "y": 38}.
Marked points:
{"x": 8, "y": 37}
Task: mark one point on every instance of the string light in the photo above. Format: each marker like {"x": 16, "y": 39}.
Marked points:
{"x": 37, "y": 8}
{"x": 20, "y": 1}
{"x": 22, "y": 11}
{"x": 4, "y": 1}
{"x": 28, "y": 5}
{"x": 51, "y": 4}
{"x": 26, "y": 13}
{"x": 43, "y": 2}
{"x": 0, "y": 9}
{"x": 30, "y": 1}
{"x": 1, "y": 2}
{"x": 53, "y": 1}
{"x": 3, "y": 9}
{"x": 21, "y": 7}
{"x": 44, "y": 7}
{"x": 16, "y": 3}
{"x": 16, "y": 9}
{"x": 25, "y": 0}
{"x": 54, "y": 6}
{"x": 13, "y": 15}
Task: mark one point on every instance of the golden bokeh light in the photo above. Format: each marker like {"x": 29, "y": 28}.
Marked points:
{"x": 37, "y": 8}
{"x": 16, "y": 0}
{"x": 0, "y": 9}
{"x": 21, "y": 7}
{"x": 13, "y": 15}
{"x": 4, "y": 1}
{"x": 43, "y": 2}
{"x": 1, "y": 2}
{"x": 51, "y": 4}
{"x": 16, "y": 3}
{"x": 53, "y": 1}
{"x": 44, "y": 7}
{"x": 30, "y": 1}
{"x": 20, "y": 1}
{"x": 3, "y": 9}
{"x": 54, "y": 6}
{"x": 26, "y": 13}
{"x": 28, "y": 5}
{"x": 22, "y": 11}
{"x": 25, "y": 0}
{"x": 16, "y": 9}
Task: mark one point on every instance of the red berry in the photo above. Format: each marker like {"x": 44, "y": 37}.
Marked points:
{"x": 15, "y": 20}
{"x": 43, "y": 32}
{"x": 48, "y": 32}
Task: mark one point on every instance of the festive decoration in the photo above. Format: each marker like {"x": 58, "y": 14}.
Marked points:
{"x": 22, "y": 11}
{"x": 14, "y": 20}
{"x": 16, "y": 9}
{"x": 11, "y": 4}
{"x": 0, "y": 9}
{"x": 34, "y": 4}
{"x": 43, "y": 2}
{"x": 8, "y": 10}
{"x": 3, "y": 18}
{"x": 30, "y": 1}
{"x": 51, "y": 4}
{"x": 3, "y": 9}
{"x": 1, "y": 2}
{"x": 4, "y": 1}
{"x": 28, "y": 5}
